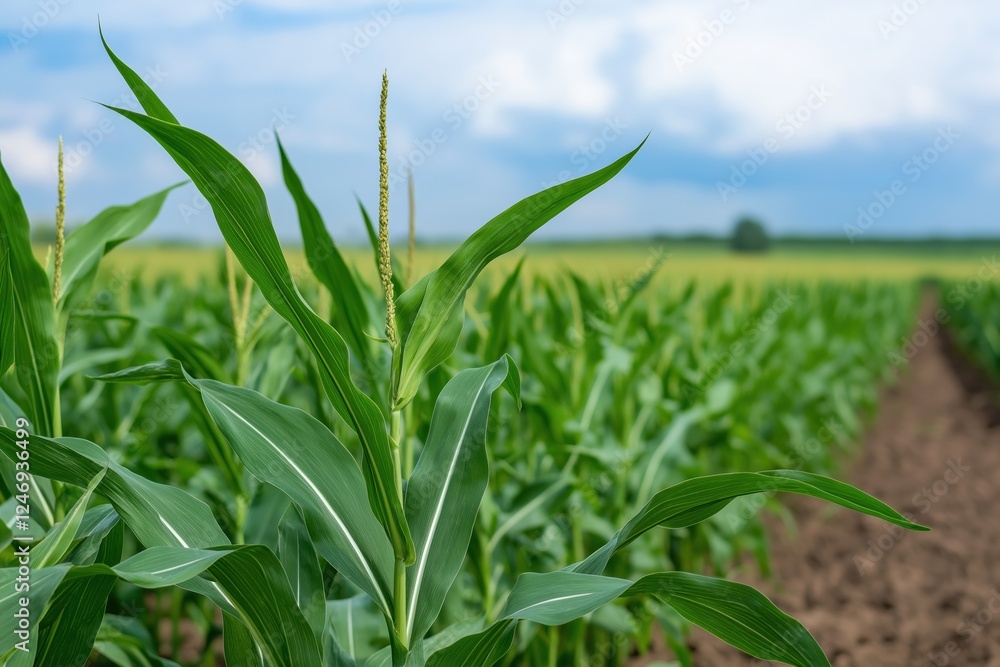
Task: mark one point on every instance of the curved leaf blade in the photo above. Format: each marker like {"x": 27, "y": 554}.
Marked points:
{"x": 58, "y": 541}
{"x": 30, "y": 325}
{"x": 87, "y": 244}
{"x": 158, "y": 514}
{"x": 555, "y": 598}
{"x": 72, "y": 619}
{"x": 694, "y": 500}
{"x": 43, "y": 586}
{"x": 253, "y": 578}
{"x": 291, "y": 450}
{"x": 737, "y": 614}
{"x": 482, "y": 649}
{"x": 446, "y": 488}
{"x": 427, "y": 316}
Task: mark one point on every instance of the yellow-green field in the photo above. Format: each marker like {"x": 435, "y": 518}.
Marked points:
{"x": 616, "y": 261}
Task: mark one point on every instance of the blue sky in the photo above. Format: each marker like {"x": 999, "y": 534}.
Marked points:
{"x": 798, "y": 113}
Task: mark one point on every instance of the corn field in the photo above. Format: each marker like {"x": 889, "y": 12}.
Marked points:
{"x": 266, "y": 469}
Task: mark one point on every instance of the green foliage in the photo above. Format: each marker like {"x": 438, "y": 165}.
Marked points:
{"x": 347, "y": 503}
{"x": 971, "y": 311}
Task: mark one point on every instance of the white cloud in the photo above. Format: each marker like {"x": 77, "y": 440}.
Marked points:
{"x": 763, "y": 64}
{"x": 28, "y": 156}
{"x": 605, "y": 60}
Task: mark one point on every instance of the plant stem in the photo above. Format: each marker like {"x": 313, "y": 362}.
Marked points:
{"x": 399, "y": 592}
{"x": 399, "y": 572}
{"x": 395, "y": 434}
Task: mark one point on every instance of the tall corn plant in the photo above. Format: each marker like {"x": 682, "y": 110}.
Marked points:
{"x": 400, "y": 538}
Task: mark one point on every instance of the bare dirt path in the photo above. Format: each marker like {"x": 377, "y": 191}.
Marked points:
{"x": 872, "y": 595}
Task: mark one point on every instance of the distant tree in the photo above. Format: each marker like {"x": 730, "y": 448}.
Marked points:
{"x": 750, "y": 236}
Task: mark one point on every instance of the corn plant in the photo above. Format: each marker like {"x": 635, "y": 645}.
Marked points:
{"x": 343, "y": 492}
{"x": 969, "y": 310}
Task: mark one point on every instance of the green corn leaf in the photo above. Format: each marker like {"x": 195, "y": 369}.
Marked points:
{"x": 238, "y": 644}
{"x": 6, "y": 311}
{"x": 42, "y": 509}
{"x": 158, "y": 514}
{"x": 427, "y": 313}
{"x": 215, "y": 443}
{"x": 673, "y": 439}
{"x": 549, "y": 598}
{"x": 253, "y": 577}
{"x": 482, "y": 649}
{"x": 110, "y": 549}
{"x": 96, "y": 528}
{"x": 548, "y": 492}
{"x": 241, "y": 210}
{"x": 301, "y": 564}
{"x": 737, "y": 614}
{"x": 88, "y": 359}
{"x": 168, "y": 370}
{"x": 500, "y": 310}
{"x": 30, "y": 324}
{"x": 57, "y": 543}
{"x": 87, "y": 244}
{"x": 42, "y": 587}
{"x": 69, "y": 627}
{"x": 157, "y": 567}
{"x": 334, "y": 654}
{"x": 294, "y": 452}
{"x": 695, "y": 500}
{"x": 355, "y": 628}
{"x": 556, "y": 598}
{"x": 125, "y": 642}
{"x": 143, "y": 93}
{"x": 432, "y": 644}
{"x": 250, "y": 576}
{"x": 350, "y": 314}
{"x": 447, "y": 486}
